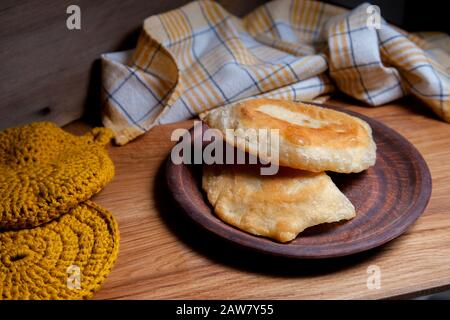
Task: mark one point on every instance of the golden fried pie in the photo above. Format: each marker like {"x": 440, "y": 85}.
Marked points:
{"x": 277, "y": 206}
{"x": 311, "y": 138}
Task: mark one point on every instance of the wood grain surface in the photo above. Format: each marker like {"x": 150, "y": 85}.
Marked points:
{"x": 388, "y": 198}
{"x": 51, "y": 73}
{"x": 164, "y": 254}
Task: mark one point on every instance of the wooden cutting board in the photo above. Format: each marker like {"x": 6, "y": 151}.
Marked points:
{"x": 163, "y": 254}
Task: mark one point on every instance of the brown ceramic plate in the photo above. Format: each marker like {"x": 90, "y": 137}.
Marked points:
{"x": 388, "y": 198}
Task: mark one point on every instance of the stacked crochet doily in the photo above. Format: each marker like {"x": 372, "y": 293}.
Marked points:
{"x": 54, "y": 242}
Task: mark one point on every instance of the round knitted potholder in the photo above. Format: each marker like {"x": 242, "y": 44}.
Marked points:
{"x": 45, "y": 171}
{"x": 67, "y": 258}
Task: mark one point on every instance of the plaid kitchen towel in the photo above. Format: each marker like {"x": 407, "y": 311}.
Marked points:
{"x": 200, "y": 57}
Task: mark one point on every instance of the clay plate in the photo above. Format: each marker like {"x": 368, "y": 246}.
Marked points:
{"x": 388, "y": 198}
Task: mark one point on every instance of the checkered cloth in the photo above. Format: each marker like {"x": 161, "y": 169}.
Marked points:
{"x": 200, "y": 57}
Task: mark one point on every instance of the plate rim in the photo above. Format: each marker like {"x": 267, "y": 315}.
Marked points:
{"x": 260, "y": 244}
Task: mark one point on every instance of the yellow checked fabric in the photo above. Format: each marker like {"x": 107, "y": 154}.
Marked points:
{"x": 199, "y": 57}
{"x": 67, "y": 258}
{"x": 45, "y": 171}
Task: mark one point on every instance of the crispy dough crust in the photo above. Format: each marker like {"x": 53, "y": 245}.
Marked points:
{"x": 311, "y": 138}
{"x": 278, "y": 207}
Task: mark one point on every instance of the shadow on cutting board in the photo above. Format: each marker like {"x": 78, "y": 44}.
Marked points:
{"x": 232, "y": 255}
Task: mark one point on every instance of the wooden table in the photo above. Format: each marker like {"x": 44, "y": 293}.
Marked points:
{"x": 165, "y": 255}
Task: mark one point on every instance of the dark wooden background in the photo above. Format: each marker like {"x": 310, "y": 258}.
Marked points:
{"x": 48, "y": 72}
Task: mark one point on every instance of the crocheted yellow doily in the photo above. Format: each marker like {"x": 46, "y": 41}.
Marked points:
{"x": 45, "y": 171}
{"x": 67, "y": 258}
